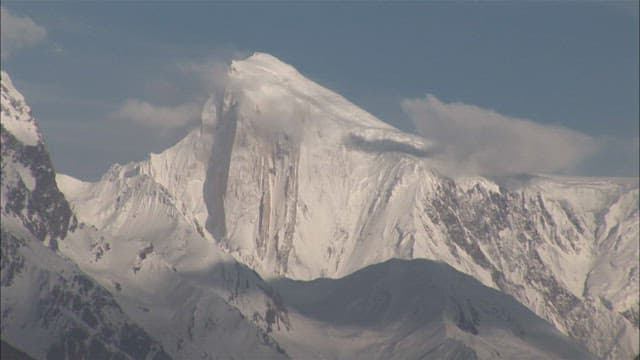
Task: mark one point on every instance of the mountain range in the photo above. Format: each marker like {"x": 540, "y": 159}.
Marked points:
{"x": 293, "y": 224}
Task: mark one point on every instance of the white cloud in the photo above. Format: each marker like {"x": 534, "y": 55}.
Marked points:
{"x": 473, "y": 140}
{"x": 277, "y": 114}
{"x": 158, "y": 117}
{"x": 18, "y": 32}
{"x": 199, "y": 79}
{"x": 618, "y": 156}
{"x": 211, "y": 72}
{"x": 210, "y": 75}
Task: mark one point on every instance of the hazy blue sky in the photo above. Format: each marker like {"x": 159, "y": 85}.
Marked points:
{"x": 561, "y": 63}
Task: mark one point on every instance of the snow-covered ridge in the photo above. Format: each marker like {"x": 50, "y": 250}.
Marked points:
{"x": 16, "y": 114}
{"x": 28, "y": 189}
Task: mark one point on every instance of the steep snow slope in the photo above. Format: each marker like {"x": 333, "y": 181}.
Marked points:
{"x": 50, "y": 308}
{"x": 293, "y": 180}
{"x": 165, "y": 269}
{"x": 415, "y": 309}
{"x": 193, "y": 311}
{"x": 609, "y": 209}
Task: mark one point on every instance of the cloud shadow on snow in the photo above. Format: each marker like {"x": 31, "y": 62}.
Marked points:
{"x": 384, "y": 145}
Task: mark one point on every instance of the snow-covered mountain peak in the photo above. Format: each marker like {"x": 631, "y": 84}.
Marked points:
{"x": 272, "y": 87}
{"x": 16, "y": 114}
{"x": 265, "y": 64}
{"x": 294, "y": 180}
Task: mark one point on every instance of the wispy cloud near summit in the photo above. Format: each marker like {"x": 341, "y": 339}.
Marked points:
{"x": 158, "y": 117}
{"x": 474, "y": 140}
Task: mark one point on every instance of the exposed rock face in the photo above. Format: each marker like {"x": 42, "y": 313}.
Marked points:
{"x": 29, "y": 190}
{"x": 50, "y": 309}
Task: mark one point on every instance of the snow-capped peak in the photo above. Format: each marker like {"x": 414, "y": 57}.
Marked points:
{"x": 294, "y": 180}
{"x": 16, "y": 114}
{"x": 265, "y": 81}
{"x": 266, "y": 64}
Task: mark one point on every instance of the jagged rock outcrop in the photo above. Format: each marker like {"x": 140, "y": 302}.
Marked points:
{"x": 29, "y": 190}
{"x": 50, "y": 309}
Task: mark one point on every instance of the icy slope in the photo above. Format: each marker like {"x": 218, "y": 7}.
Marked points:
{"x": 415, "y": 309}
{"x": 167, "y": 275}
{"x": 193, "y": 311}
{"x": 293, "y": 180}
{"x": 165, "y": 269}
